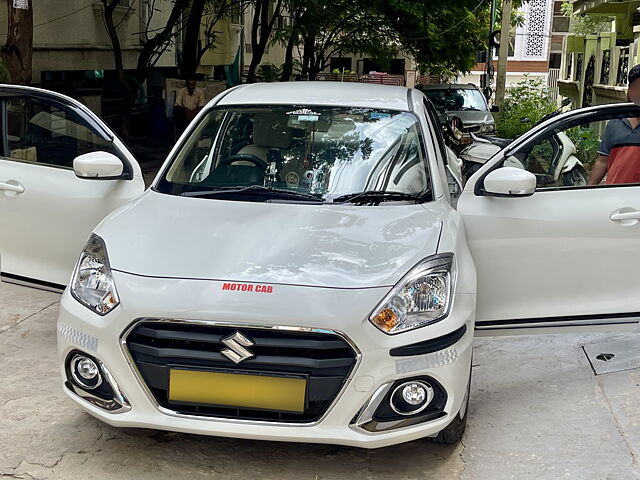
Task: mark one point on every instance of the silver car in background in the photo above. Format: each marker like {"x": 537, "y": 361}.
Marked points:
{"x": 464, "y": 101}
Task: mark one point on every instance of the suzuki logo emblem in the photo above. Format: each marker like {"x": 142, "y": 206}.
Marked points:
{"x": 236, "y": 351}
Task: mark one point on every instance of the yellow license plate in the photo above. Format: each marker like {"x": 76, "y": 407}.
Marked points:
{"x": 238, "y": 390}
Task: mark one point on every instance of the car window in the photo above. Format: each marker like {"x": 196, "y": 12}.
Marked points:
{"x": 457, "y": 98}
{"x": 324, "y": 151}
{"x": 47, "y": 135}
{"x": 590, "y": 149}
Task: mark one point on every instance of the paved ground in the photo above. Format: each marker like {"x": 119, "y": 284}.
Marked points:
{"x": 537, "y": 412}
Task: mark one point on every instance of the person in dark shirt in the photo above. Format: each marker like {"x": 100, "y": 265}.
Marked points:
{"x": 619, "y": 152}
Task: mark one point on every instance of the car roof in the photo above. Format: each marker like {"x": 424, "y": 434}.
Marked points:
{"x": 453, "y": 86}
{"x": 321, "y": 93}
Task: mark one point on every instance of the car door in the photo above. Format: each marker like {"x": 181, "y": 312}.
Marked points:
{"x": 46, "y": 210}
{"x": 565, "y": 256}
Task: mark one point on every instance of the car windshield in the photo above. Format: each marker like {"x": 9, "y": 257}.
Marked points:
{"x": 308, "y": 152}
{"x": 457, "y": 98}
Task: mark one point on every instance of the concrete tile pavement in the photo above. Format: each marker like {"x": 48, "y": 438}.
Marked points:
{"x": 537, "y": 411}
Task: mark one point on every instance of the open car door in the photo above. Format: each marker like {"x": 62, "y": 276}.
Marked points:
{"x": 48, "y": 208}
{"x": 551, "y": 252}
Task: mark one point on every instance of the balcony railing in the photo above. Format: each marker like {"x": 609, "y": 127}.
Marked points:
{"x": 605, "y": 67}
{"x": 623, "y": 67}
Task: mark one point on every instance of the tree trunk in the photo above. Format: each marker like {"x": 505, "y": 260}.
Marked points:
{"x": 287, "y": 67}
{"x": 190, "y": 49}
{"x": 256, "y": 56}
{"x": 158, "y": 43}
{"x": 109, "y": 7}
{"x": 17, "y": 52}
{"x": 307, "y": 56}
{"x": 123, "y": 88}
{"x": 259, "y": 42}
{"x": 317, "y": 66}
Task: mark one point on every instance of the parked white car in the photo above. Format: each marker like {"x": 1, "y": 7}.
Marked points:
{"x": 298, "y": 270}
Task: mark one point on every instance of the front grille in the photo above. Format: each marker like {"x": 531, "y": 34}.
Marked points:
{"x": 325, "y": 359}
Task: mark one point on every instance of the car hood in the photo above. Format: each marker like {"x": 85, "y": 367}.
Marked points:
{"x": 342, "y": 246}
{"x": 473, "y": 117}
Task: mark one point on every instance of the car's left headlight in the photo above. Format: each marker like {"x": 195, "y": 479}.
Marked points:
{"x": 488, "y": 128}
{"x": 422, "y": 297}
{"x": 92, "y": 282}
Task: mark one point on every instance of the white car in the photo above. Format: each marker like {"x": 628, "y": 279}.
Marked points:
{"x": 299, "y": 270}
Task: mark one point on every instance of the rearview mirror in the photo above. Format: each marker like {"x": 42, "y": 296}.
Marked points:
{"x": 98, "y": 165}
{"x": 510, "y": 182}
{"x": 495, "y": 108}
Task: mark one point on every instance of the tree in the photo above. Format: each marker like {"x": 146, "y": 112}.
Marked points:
{"x": 382, "y": 28}
{"x": 264, "y": 18}
{"x": 155, "y": 41}
{"x": 439, "y": 34}
{"x": 17, "y": 51}
{"x": 200, "y": 34}
{"x": 109, "y": 9}
{"x": 154, "y": 45}
{"x": 586, "y": 24}
{"x": 289, "y": 36}
{"x": 324, "y": 30}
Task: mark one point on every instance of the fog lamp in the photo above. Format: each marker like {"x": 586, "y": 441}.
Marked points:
{"x": 411, "y": 397}
{"x": 85, "y": 372}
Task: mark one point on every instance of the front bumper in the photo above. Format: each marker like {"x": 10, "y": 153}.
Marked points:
{"x": 341, "y": 311}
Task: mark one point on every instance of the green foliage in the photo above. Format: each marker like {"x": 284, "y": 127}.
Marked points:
{"x": 270, "y": 72}
{"x": 5, "y": 76}
{"x": 586, "y": 24}
{"x": 517, "y": 18}
{"x": 529, "y": 100}
{"x": 439, "y": 34}
{"x": 587, "y": 142}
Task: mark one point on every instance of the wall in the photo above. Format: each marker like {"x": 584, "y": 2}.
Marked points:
{"x": 71, "y": 35}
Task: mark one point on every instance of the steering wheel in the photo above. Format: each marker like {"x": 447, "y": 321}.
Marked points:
{"x": 244, "y": 157}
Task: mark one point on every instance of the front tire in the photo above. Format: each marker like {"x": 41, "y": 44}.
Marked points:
{"x": 576, "y": 177}
{"x": 453, "y": 432}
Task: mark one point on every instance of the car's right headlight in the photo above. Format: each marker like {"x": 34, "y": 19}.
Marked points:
{"x": 92, "y": 282}
{"x": 422, "y": 297}
{"x": 488, "y": 128}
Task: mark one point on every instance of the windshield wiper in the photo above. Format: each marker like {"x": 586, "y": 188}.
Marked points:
{"x": 254, "y": 189}
{"x": 377, "y": 196}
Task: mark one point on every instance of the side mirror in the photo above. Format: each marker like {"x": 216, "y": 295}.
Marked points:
{"x": 510, "y": 182}
{"x": 98, "y": 165}
{"x": 495, "y": 108}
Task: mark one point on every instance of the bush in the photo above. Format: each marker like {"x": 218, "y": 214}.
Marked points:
{"x": 587, "y": 142}
{"x": 529, "y": 99}
{"x": 270, "y": 72}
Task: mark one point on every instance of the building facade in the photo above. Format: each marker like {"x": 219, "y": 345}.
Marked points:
{"x": 594, "y": 66}
{"x": 530, "y": 48}
{"x": 70, "y": 39}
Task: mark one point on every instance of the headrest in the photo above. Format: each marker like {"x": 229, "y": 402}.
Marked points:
{"x": 270, "y": 130}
